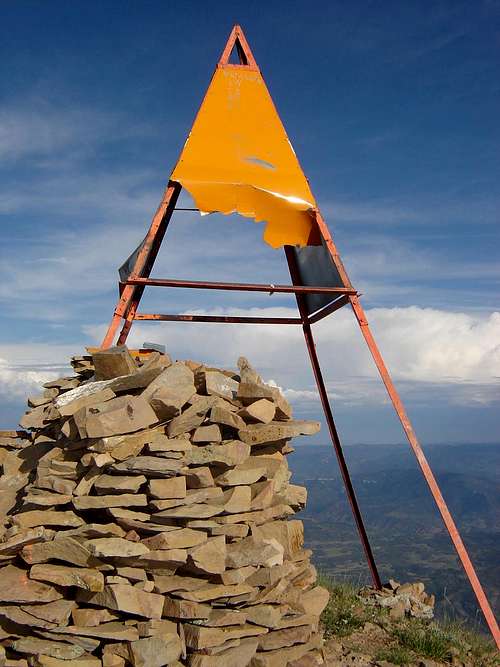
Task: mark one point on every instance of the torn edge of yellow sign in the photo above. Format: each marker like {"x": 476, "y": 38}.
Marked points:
{"x": 238, "y": 159}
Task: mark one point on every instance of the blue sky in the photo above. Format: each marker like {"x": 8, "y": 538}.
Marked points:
{"x": 393, "y": 111}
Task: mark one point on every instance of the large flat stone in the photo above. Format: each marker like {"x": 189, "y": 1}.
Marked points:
{"x": 46, "y": 518}
{"x": 128, "y": 484}
{"x": 62, "y": 575}
{"x": 219, "y": 384}
{"x": 103, "y": 502}
{"x": 124, "y": 414}
{"x": 32, "y": 646}
{"x": 257, "y": 434}
{"x": 115, "y": 547}
{"x": 153, "y": 466}
{"x": 128, "y": 599}
{"x": 231, "y": 453}
{"x": 175, "y": 487}
{"x": 254, "y": 551}
{"x": 15, "y": 586}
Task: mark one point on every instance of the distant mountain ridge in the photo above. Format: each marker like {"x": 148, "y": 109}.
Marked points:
{"x": 406, "y": 531}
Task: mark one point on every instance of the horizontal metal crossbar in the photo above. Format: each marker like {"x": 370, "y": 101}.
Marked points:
{"x": 225, "y": 319}
{"x": 240, "y": 287}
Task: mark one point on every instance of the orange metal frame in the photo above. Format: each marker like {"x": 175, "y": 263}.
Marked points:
{"x": 132, "y": 289}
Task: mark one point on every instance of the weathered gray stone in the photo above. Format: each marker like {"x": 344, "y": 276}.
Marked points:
{"x": 149, "y": 465}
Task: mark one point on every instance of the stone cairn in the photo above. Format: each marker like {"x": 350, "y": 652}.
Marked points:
{"x": 146, "y": 521}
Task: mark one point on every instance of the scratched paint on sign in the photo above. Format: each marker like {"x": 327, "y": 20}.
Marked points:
{"x": 238, "y": 159}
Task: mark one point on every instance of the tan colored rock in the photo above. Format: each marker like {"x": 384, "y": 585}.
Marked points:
{"x": 62, "y": 575}
{"x": 249, "y": 472}
{"x": 48, "y": 616}
{"x": 233, "y": 657}
{"x": 200, "y": 637}
{"x": 218, "y": 384}
{"x": 221, "y": 415}
{"x": 211, "y": 495}
{"x": 102, "y": 502}
{"x": 149, "y": 466}
{"x": 156, "y": 628}
{"x": 166, "y": 558}
{"x": 223, "y": 617}
{"x": 46, "y": 518}
{"x": 113, "y": 362}
{"x": 231, "y": 530}
{"x": 192, "y": 417}
{"x": 290, "y": 534}
{"x": 155, "y": 651}
{"x": 93, "y": 530}
{"x": 126, "y": 599}
{"x": 113, "y": 547}
{"x": 199, "y": 478}
{"x": 279, "y": 639}
{"x": 176, "y": 381}
{"x": 209, "y": 557}
{"x": 92, "y": 617}
{"x": 117, "y": 416}
{"x": 210, "y": 433}
{"x": 175, "y": 487}
{"x": 66, "y": 549}
{"x": 84, "y": 661}
{"x": 128, "y": 484}
{"x": 125, "y": 446}
{"x": 176, "y": 539}
{"x": 112, "y": 660}
{"x": 315, "y": 600}
{"x": 261, "y": 411}
{"x": 254, "y": 551}
{"x": 256, "y": 434}
{"x": 237, "y": 499}
{"x": 265, "y": 614}
{"x": 161, "y": 443}
{"x": 68, "y": 409}
{"x": 121, "y": 513}
{"x": 112, "y": 630}
{"x": 249, "y": 392}
{"x": 23, "y": 538}
{"x": 262, "y": 495}
{"x": 214, "y": 592}
{"x": 230, "y": 453}
{"x": 195, "y": 511}
{"x": 185, "y": 609}
{"x": 43, "y": 498}
{"x": 237, "y": 576}
{"x": 32, "y": 646}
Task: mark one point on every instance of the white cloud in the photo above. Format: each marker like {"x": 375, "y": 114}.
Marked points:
{"x": 426, "y": 350}
{"x": 18, "y": 382}
{"x": 43, "y": 127}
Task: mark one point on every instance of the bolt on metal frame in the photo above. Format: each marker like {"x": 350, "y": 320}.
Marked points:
{"x": 132, "y": 289}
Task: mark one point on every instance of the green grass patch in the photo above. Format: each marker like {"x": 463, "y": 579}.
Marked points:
{"x": 343, "y": 614}
{"x": 424, "y": 639}
{"x": 395, "y": 654}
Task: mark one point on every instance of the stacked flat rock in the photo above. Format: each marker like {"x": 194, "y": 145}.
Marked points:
{"x": 147, "y": 521}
